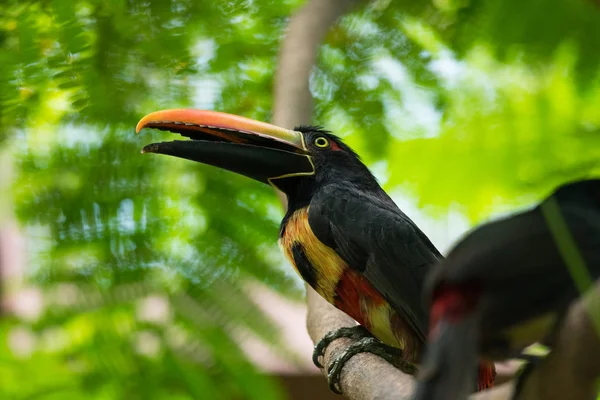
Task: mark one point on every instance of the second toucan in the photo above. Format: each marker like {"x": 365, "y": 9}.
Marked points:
{"x": 507, "y": 285}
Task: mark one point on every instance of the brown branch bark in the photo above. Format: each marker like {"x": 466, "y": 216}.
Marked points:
{"x": 572, "y": 369}
{"x": 298, "y": 54}
{"x": 366, "y": 376}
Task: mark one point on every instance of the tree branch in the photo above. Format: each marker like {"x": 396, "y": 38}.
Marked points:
{"x": 300, "y": 47}
{"x": 572, "y": 369}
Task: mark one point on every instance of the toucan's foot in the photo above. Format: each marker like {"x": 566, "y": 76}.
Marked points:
{"x": 366, "y": 345}
{"x": 355, "y": 332}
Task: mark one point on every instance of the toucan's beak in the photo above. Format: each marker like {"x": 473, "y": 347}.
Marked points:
{"x": 252, "y": 148}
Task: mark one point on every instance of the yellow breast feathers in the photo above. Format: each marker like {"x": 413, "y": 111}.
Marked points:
{"x": 345, "y": 288}
{"x": 317, "y": 264}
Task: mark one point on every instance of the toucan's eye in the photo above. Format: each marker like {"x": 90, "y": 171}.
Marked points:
{"x": 321, "y": 142}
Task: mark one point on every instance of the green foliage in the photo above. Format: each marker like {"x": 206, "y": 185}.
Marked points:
{"x": 100, "y": 217}
{"x": 481, "y": 105}
{"x": 114, "y": 344}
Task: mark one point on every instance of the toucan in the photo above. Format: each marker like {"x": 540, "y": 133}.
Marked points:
{"x": 507, "y": 285}
{"x": 342, "y": 233}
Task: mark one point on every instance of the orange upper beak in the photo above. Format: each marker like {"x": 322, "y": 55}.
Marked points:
{"x": 218, "y": 124}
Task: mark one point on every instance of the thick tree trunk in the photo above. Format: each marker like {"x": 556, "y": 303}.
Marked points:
{"x": 572, "y": 369}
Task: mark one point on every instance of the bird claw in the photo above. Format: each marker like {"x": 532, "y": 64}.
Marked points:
{"x": 356, "y": 332}
{"x": 367, "y": 344}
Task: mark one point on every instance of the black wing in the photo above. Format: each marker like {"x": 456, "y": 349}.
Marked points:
{"x": 374, "y": 237}
{"x": 518, "y": 262}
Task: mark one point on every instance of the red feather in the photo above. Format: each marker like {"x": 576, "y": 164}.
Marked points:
{"x": 350, "y": 289}
{"x": 453, "y": 302}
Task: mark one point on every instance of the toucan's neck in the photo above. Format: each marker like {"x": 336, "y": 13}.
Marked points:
{"x": 299, "y": 195}
{"x": 299, "y": 192}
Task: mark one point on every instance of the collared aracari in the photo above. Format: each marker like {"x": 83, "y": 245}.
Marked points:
{"x": 343, "y": 234}
{"x": 507, "y": 285}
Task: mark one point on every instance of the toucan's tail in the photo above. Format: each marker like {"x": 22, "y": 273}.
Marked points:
{"x": 451, "y": 368}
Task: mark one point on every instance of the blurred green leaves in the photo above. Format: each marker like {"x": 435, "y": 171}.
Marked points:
{"x": 465, "y": 112}
{"x": 128, "y": 342}
{"x": 115, "y": 226}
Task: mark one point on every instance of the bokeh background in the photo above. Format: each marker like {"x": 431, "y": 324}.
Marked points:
{"x": 147, "y": 277}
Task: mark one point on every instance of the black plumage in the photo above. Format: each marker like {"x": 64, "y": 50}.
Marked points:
{"x": 507, "y": 284}
{"x": 351, "y": 213}
{"x": 377, "y": 239}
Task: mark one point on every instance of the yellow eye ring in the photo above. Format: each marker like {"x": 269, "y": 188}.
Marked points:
{"x": 321, "y": 142}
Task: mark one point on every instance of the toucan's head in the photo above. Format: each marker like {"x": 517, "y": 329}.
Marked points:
{"x": 305, "y": 157}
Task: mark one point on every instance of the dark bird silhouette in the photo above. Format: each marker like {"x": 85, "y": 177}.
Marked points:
{"x": 507, "y": 285}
